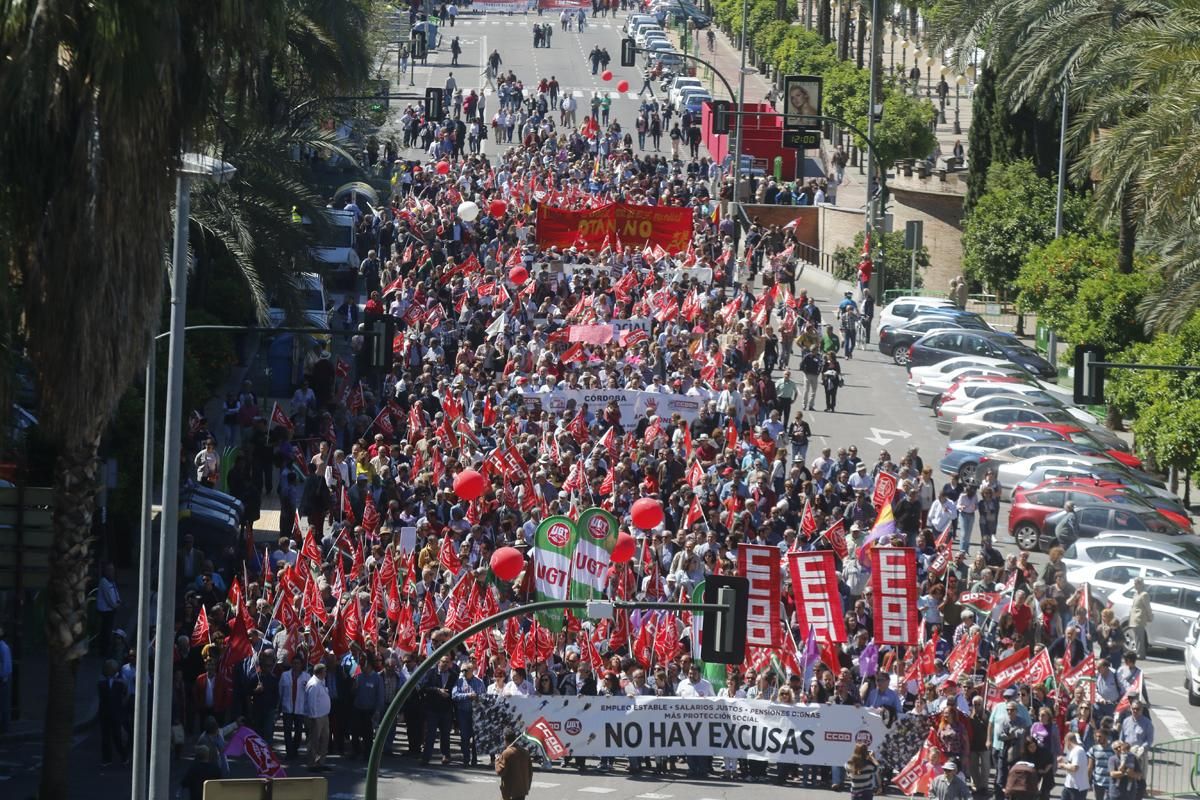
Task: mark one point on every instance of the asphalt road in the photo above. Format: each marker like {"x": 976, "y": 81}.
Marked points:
{"x": 875, "y": 411}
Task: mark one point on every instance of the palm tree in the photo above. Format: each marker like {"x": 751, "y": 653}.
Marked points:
{"x": 100, "y": 97}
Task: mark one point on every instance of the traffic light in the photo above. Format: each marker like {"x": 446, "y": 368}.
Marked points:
{"x": 384, "y": 334}
{"x": 628, "y": 52}
{"x": 420, "y": 46}
{"x": 1089, "y": 378}
{"x": 720, "y": 116}
{"x": 723, "y": 639}
{"x": 433, "y": 103}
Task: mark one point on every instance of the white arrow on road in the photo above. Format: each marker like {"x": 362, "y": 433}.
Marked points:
{"x": 881, "y": 436}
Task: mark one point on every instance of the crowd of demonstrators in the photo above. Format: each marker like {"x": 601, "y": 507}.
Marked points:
{"x": 378, "y": 561}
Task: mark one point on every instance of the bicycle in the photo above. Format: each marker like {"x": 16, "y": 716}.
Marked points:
{"x": 712, "y": 41}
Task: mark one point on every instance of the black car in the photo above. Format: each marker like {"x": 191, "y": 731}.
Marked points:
{"x": 938, "y": 346}
{"x": 687, "y": 12}
{"x": 894, "y": 340}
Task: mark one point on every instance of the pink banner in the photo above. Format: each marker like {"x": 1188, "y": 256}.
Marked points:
{"x": 591, "y": 334}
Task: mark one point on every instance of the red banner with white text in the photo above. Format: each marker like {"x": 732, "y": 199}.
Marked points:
{"x": 667, "y": 226}
{"x": 760, "y": 564}
{"x": 815, "y": 587}
{"x": 894, "y": 594}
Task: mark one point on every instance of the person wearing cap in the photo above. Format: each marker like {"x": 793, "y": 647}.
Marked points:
{"x": 949, "y": 785}
{"x": 860, "y": 481}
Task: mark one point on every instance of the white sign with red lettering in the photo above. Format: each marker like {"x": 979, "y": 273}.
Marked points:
{"x": 760, "y": 565}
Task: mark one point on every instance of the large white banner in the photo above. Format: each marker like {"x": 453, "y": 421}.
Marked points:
{"x": 633, "y": 404}
{"x": 671, "y": 726}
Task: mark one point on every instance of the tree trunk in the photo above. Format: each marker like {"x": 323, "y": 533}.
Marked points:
{"x": 861, "y": 32}
{"x": 77, "y": 482}
{"x": 843, "y": 47}
{"x": 1112, "y": 418}
{"x": 912, "y": 22}
{"x": 1126, "y": 235}
{"x": 824, "y": 20}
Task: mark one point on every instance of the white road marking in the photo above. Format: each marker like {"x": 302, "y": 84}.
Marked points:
{"x": 879, "y": 437}
{"x": 653, "y": 796}
{"x": 596, "y": 790}
{"x": 481, "y": 779}
{"x": 544, "y": 785}
{"x": 1179, "y": 727}
{"x": 1163, "y": 668}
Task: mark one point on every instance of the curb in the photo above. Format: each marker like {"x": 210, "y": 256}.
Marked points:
{"x": 36, "y": 735}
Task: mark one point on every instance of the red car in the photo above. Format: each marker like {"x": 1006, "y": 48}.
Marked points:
{"x": 1073, "y": 433}
{"x": 1102, "y": 491}
{"x": 1030, "y": 507}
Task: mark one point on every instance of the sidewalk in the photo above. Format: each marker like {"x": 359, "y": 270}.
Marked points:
{"x": 34, "y": 688}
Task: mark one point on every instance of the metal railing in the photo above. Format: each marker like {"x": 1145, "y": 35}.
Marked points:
{"x": 1172, "y": 769}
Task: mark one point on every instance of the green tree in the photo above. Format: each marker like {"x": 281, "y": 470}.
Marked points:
{"x": 904, "y": 130}
{"x": 1014, "y": 215}
{"x": 1134, "y": 390}
{"x": 1051, "y": 275}
{"x": 1105, "y": 311}
{"x": 1168, "y": 431}
{"x": 897, "y": 260}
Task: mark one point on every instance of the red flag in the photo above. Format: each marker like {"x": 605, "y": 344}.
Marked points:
{"x": 1039, "y": 668}
{"x": 448, "y": 555}
{"x": 406, "y": 632}
{"x": 200, "y": 632}
{"x": 383, "y": 421}
{"x": 347, "y": 512}
{"x": 964, "y": 656}
{"x": 429, "y": 617}
{"x": 695, "y": 513}
{"x": 313, "y": 605}
{"x": 279, "y": 418}
{"x": 643, "y": 646}
{"x": 731, "y": 435}
{"x": 543, "y": 732}
{"x": 1008, "y": 671}
{"x": 352, "y": 621}
{"x": 311, "y": 550}
{"x": 885, "y": 490}
{"x": 370, "y": 520}
{"x": 835, "y": 534}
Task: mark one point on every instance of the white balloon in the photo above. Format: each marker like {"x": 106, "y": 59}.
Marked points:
{"x": 468, "y": 211}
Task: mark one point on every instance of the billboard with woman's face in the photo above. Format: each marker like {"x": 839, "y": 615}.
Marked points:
{"x": 801, "y": 102}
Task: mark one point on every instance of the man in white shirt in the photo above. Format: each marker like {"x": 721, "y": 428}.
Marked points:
{"x": 1074, "y": 762}
{"x": 316, "y": 707}
{"x": 860, "y": 480}
{"x": 293, "y": 694}
{"x": 695, "y": 686}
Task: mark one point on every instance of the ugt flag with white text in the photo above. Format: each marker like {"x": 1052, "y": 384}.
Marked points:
{"x": 595, "y": 537}
{"x": 552, "y": 547}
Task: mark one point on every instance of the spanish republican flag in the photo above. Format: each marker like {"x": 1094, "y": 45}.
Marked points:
{"x": 716, "y": 213}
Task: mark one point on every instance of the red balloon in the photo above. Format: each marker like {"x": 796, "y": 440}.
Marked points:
{"x": 606, "y": 75}
{"x": 624, "y": 549}
{"x": 507, "y": 563}
{"x": 623, "y": 86}
{"x": 647, "y": 513}
{"x": 469, "y": 484}
{"x": 518, "y": 275}
{"x": 497, "y": 208}
{"x": 443, "y": 167}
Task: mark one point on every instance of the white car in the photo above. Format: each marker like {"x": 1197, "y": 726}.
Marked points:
{"x": 948, "y": 413}
{"x": 631, "y": 24}
{"x": 687, "y": 94}
{"x": 930, "y": 390}
{"x": 918, "y": 376}
{"x": 1118, "y": 546}
{"x": 1191, "y": 664}
{"x": 905, "y": 308}
{"x": 680, "y": 83}
{"x": 644, "y": 31}
{"x": 1175, "y": 602}
{"x": 1034, "y": 388}
{"x": 313, "y": 304}
{"x": 1017, "y": 472}
{"x": 1106, "y": 577}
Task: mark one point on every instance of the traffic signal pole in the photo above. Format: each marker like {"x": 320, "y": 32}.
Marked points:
{"x": 414, "y": 680}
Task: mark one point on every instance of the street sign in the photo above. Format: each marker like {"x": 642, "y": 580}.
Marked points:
{"x": 802, "y": 140}
{"x": 628, "y": 52}
{"x": 724, "y": 635}
{"x": 914, "y": 231}
{"x": 1089, "y": 379}
{"x": 420, "y": 46}
{"x": 433, "y": 103}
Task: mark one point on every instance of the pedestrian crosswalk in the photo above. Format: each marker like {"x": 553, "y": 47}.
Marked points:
{"x": 523, "y": 22}
{"x": 576, "y": 93}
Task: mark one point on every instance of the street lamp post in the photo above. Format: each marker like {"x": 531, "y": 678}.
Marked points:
{"x": 1051, "y": 336}
{"x": 193, "y": 167}
{"x": 958, "y": 84}
{"x": 741, "y": 101}
{"x": 872, "y": 164}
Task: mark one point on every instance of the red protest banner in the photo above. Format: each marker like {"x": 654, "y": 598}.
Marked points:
{"x": 668, "y": 227}
{"x": 543, "y": 732}
{"x": 760, "y": 564}
{"x": 894, "y": 594}
{"x": 815, "y": 587}
{"x": 1008, "y": 671}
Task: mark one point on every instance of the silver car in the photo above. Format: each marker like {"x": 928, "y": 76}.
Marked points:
{"x": 1176, "y": 605}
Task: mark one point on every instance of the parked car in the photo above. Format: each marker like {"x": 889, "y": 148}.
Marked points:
{"x": 998, "y": 418}
{"x": 678, "y": 84}
{"x": 962, "y": 457}
{"x": 938, "y": 346}
{"x": 1132, "y": 547}
{"x": 1094, "y": 435}
{"x": 1106, "y": 577}
{"x": 930, "y": 391}
{"x": 1158, "y": 496}
{"x": 894, "y": 340}
{"x": 970, "y": 389}
{"x": 1031, "y": 508}
{"x": 905, "y": 308}
{"x": 919, "y": 375}
{"x": 1191, "y": 663}
{"x": 1093, "y": 520}
{"x": 1175, "y": 602}
{"x": 949, "y": 413}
